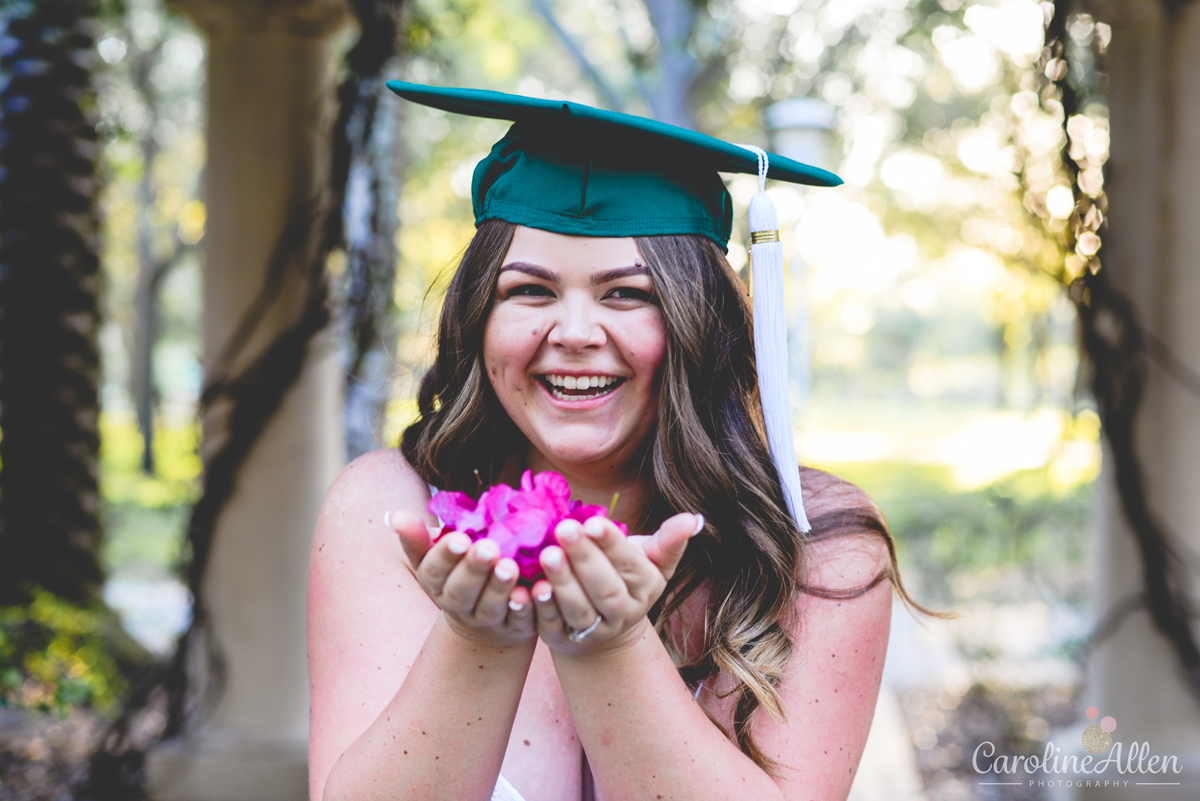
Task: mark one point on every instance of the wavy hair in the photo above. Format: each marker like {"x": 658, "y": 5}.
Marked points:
{"x": 709, "y": 455}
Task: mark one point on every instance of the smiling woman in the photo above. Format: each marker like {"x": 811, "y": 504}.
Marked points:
{"x": 594, "y": 328}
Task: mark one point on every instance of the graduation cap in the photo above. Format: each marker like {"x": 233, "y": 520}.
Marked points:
{"x": 572, "y": 169}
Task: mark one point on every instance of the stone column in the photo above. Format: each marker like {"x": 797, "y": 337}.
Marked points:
{"x": 1152, "y": 252}
{"x": 270, "y": 99}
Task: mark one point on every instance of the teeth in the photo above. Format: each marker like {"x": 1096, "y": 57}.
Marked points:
{"x": 581, "y": 382}
{"x": 604, "y": 383}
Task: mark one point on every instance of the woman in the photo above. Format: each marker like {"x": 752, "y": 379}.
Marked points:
{"x": 717, "y": 652}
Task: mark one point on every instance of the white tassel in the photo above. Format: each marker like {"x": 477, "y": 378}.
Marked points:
{"x": 770, "y": 340}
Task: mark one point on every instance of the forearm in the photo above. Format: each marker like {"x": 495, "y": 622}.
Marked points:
{"x": 644, "y": 734}
{"x": 444, "y": 734}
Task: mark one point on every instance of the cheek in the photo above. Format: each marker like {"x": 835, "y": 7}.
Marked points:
{"x": 648, "y": 349}
{"x": 509, "y": 345}
{"x": 492, "y": 350}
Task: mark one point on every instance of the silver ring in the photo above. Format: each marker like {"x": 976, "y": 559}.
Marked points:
{"x": 578, "y": 636}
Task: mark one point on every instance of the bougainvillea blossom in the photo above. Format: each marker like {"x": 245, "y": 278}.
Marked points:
{"x": 521, "y": 521}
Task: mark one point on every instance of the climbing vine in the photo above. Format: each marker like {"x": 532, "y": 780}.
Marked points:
{"x": 1117, "y": 346}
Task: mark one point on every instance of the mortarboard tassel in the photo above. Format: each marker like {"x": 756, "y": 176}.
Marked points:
{"x": 770, "y": 339}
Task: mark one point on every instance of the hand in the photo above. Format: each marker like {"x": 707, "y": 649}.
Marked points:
{"x": 476, "y": 590}
{"x": 600, "y": 571}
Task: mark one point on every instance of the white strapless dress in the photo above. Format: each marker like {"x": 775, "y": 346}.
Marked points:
{"x": 505, "y": 791}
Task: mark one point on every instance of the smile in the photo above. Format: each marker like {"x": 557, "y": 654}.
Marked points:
{"x": 580, "y": 387}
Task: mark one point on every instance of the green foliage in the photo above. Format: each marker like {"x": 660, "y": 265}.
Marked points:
{"x": 176, "y": 457}
{"x": 1003, "y": 539}
{"x": 145, "y": 516}
{"x": 55, "y": 654}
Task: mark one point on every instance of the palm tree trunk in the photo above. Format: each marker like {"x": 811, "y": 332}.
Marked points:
{"x": 49, "y": 286}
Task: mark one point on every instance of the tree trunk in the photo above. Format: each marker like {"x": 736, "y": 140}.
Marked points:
{"x": 49, "y": 283}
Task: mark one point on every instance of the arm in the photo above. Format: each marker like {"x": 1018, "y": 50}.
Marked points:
{"x": 646, "y": 737}
{"x": 390, "y": 673}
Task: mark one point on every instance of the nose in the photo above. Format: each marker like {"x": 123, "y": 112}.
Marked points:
{"x": 578, "y": 326}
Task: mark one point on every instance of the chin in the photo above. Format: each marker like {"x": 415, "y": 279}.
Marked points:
{"x": 579, "y": 454}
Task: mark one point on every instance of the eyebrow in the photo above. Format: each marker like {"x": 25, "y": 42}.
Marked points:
{"x": 602, "y": 277}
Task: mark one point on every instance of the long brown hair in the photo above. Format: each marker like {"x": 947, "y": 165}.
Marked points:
{"x": 709, "y": 456}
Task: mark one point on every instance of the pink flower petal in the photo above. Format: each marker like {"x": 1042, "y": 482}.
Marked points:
{"x": 530, "y": 526}
{"x": 459, "y": 510}
{"x": 520, "y": 521}
{"x": 497, "y": 500}
{"x": 553, "y": 485}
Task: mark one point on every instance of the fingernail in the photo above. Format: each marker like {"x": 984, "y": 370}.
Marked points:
{"x": 516, "y": 607}
{"x": 545, "y": 596}
{"x": 457, "y": 546}
{"x": 594, "y": 527}
{"x": 487, "y": 550}
{"x": 568, "y": 532}
{"x": 504, "y": 573}
{"x": 699, "y": 525}
{"x": 552, "y": 558}
{"x": 387, "y": 520}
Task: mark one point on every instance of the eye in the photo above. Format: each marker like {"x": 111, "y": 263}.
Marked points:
{"x": 631, "y": 293}
{"x": 530, "y": 291}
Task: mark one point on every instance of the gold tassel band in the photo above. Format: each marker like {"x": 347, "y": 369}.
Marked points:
{"x": 758, "y": 237}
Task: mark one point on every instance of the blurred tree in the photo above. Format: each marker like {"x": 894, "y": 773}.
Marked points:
{"x": 49, "y": 294}
{"x": 366, "y": 176}
{"x": 149, "y": 122}
{"x": 159, "y": 246}
{"x": 667, "y": 74}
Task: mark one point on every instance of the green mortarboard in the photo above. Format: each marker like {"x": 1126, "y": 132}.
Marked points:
{"x": 573, "y": 169}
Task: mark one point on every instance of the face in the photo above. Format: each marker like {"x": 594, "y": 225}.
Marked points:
{"x": 574, "y": 347}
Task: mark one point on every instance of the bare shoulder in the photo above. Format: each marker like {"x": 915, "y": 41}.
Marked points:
{"x": 367, "y": 616}
{"x": 825, "y": 493}
{"x": 356, "y": 558}
{"x": 850, "y": 545}
{"x": 355, "y": 555}
{"x": 373, "y": 483}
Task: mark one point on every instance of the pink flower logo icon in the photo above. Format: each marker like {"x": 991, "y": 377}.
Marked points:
{"x": 521, "y": 521}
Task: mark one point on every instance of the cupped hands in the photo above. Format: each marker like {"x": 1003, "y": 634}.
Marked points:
{"x": 596, "y": 578}
{"x": 601, "y": 582}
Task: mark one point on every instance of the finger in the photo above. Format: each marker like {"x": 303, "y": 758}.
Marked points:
{"x": 666, "y": 546}
{"x": 603, "y": 586}
{"x": 440, "y": 560}
{"x": 573, "y": 603}
{"x": 622, "y": 552}
{"x": 549, "y": 619}
{"x": 466, "y": 581}
{"x": 414, "y": 535}
{"x": 521, "y": 615}
{"x": 492, "y": 607}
